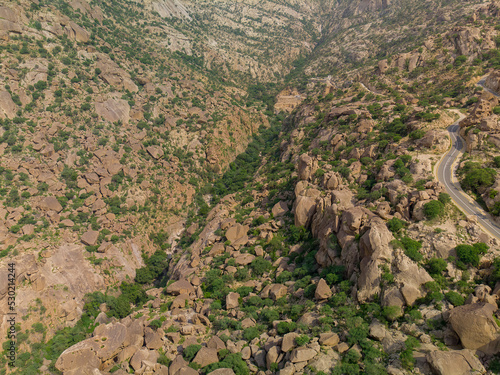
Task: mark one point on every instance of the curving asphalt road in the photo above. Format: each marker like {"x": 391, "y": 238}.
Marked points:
{"x": 446, "y": 171}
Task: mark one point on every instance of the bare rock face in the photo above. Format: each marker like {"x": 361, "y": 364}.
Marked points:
{"x": 482, "y": 293}
{"x": 180, "y": 287}
{"x": 216, "y": 343}
{"x": 8, "y": 14}
{"x": 272, "y": 356}
{"x": 493, "y": 81}
{"x": 306, "y": 167}
{"x": 323, "y": 291}
{"x": 483, "y": 108}
{"x": 411, "y": 277}
{"x": 81, "y": 355}
{"x": 476, "y": 327}
{"x": 113, "y": 110}
{"x": 374, "y": 250}
{"x": 7, "y": 106}
{"x": 90, "y": 237}
{"x": 454, "y": 362}
{"x": 152, "y": 339}
{"x": 206, "y": 356}
{"x": 237, "y": 234}
{"x": 232, "y": 300}
{"x": 112, "y": 74}
{"x": 466, "y": 40}
{"x": 329, "y": 339}
{"x": 51, "y": 204}
{"x": 155, "y": 151}
{"x": 223, "y": 371}
{"x": 435, "y": 139}
{"x": 302, "y": 355}
{"x": 90, "y": 353}
{"x": 288, "y": 342}
{"x": 77, "y": 33}
{"x": 305, "y": 207}
{"x": 170, "y": 8}
{"x": 9, "y": 26}
{"x": 280, "y": 209}
{"x": 383, "y": 66}
{"x": 277, "y": 291}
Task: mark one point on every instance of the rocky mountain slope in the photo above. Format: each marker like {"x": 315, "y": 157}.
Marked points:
{"x": 163, "y": 219}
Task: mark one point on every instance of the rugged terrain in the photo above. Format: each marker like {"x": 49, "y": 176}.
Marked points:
{"x": 248, "y": 187}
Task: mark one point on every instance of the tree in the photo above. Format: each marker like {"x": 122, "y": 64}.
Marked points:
{"x": 433, "y": 209}
{"x": 444, "y": 198}
{"x": 395, "y": 225}
{"x": 412, "y": 249}
{"x": 190, "y": 352}
{"x": 471, "y": 254}
{"x": 478, "y": 178}
{"x": 436, "y": 266}
{"x": 259, "y": 266}
{"x": 41, "y": 85}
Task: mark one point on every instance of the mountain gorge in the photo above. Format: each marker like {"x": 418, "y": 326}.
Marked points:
{"x": 248, "y": 187}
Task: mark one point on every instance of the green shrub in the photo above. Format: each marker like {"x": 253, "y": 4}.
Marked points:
{"x": 155, "y": 324}
{"x": 436, "y": 266}
{"x": 229, "y": 360}
{"x": 244, "y": 291}
{"x": 444, "y": 198}
{"x": 471, "y": 254}
{"x": 163, "y": 360}
{"x": 38, "y": 327}
{"x": 302, "y": 340}
{"x": 456, "y": 299}
{"x": 478, "y": 178}
{"x": 119, "y": 307}
{"x": 433, "y": 209}
{"x": 190, "y": 352}
{"x": 216, "y": 305}
{"x": 286, "y": 327}
{"x": 250, "y": 333}
{"x": 241, "y": 274}
{"x": 417, "y": 134}
{"x": 260, "y": 266}
{"x": 412, "y": 249}
{"x": 395, "y": 224}
{"x": 392, "y": 312}
{"x": 494, "y": 366}
{"x": 270, "y": 315}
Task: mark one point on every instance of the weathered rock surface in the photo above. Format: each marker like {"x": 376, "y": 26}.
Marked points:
{"x": 232, "y": 300}
{"x": 237, "y": 234}
{"x": 180, "y": 287}
{"x": 454, "y": 362}
{"x": 77, "y": 33}
{"x": 476, "y": 327}
{"x": 7, "y": 106}
{"x": 106, "y": 343}
{"x": 90, "y": 237}
{"x": 206, "y": 356}
{"x": 113, "y": 110}
{"x": 322, "y": 290}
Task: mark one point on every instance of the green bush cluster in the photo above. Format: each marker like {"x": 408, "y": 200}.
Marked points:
{"x": 412, "y": 249}
{"x": 155, "y": 265}
{"x": 433, "y": 209}
{"x": 190, "y": 352}
{"x": 471, "y": 254}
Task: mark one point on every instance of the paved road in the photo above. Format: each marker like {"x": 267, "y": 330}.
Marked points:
{"x": 446, "y": 171}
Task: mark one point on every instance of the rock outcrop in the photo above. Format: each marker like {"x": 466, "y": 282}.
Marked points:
{"x": 476, "y": 327}
{"x": 113, "y": 110}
